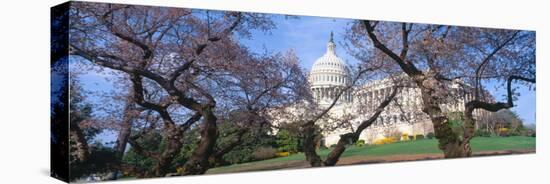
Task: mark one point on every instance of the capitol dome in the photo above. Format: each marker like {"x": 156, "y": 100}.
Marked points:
{"x": 329, "y": 69}
{"x": 328, "y": 74}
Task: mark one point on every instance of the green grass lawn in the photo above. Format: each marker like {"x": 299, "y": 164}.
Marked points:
{"x": 426, "y": 146}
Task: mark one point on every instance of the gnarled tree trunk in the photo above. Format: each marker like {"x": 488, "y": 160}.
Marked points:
{"x": 309, "y": 143}
{"x": 335, "y": 154}
{"x": 431, "y": 91}
{"x": 122, "y": 139}
{"x": 345, "y": 139}
{"x": 448, "y": 141}
{"x": 198, "y": 163}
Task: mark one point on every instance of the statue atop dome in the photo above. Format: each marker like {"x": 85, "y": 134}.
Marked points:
{"x": 330, "y": 45}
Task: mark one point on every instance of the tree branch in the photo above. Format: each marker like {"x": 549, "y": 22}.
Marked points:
{"x": 486, "y": 60}
{"x": 200, "y": 48}
{"x": 172, "y": 90}
{"x": 352, "y": 137}
{"x": 408, "y": 68}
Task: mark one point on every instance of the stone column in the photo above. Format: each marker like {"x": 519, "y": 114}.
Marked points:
{"x": 369, "y": 99}
{"x": 318, "y": 91}
{"x": 314, "y": 91}
{"x": 322, "y": 90}
{"x": 325, "y": 93}
{"x": 375, "y": 96}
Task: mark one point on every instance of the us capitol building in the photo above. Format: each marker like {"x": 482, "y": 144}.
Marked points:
{"x": 329, "y": 74}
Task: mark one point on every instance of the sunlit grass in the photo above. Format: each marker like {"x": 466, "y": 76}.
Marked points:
{"x": 425, "y": 146}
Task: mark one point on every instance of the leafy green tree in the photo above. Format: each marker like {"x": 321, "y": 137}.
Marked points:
{"x": 98, "y": 162}
{"x": 139, "y": 163}
{"x": 287, "y": 141}
{"x": 510, "y": 119}
{"x": 249, "y": 141}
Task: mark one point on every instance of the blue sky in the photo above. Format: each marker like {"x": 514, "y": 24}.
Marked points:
{"x": 308, "y": 37}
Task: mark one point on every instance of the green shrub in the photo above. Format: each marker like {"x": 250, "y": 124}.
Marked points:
{"x": 240, "y": 154}
{"x": 250, "y": 141}
{"x": 482, "y": 133}
{"x": 516, "y": 133}
{"x": 431, "y": 135}
{"x": 287, "y": 141}
{"x": 360, "y": 142}
{"x": 419, "y": 136}
{"x": 98, "y": 161}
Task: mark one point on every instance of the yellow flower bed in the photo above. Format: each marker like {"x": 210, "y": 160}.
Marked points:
{"x": 503, "y": 130}
{"x": 179, "y": 170}
{"x": 282, "y": 154}
{"x": 386, "y": 140}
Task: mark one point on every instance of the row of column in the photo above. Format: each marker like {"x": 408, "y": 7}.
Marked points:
{"x": 330, "y": 78}
{"x": 410, "y": 101}
{"x": 390, "y": 119}
{"x": 329, "y": 93}
{"x": 409, "y": 98}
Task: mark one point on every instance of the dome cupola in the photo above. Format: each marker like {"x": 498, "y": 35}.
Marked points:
{"x": 329, "y": 69}
{"x": 329, "y": 74}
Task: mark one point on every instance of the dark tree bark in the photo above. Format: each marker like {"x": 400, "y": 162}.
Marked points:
{"x": 448, "y": 140}
{"x": 310, "y": 133}
{"x": 198, "y": 162}
{"x": 125, "y": 131}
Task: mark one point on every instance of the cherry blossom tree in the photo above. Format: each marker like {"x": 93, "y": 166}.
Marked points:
{"x": 437, "y": 56}
{"x": 185, "y": 70}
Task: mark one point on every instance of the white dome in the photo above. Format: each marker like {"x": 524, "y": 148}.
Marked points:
{"x": 329, "y": 70}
